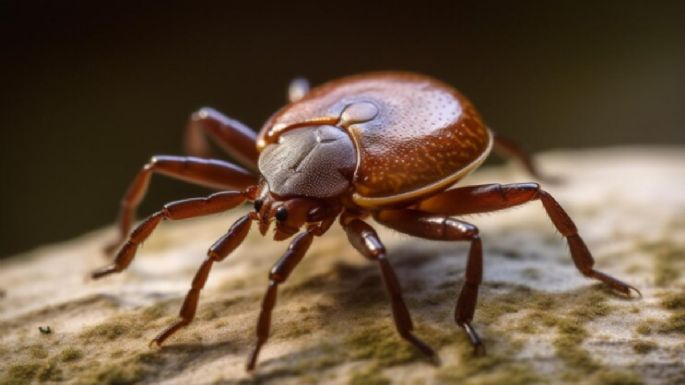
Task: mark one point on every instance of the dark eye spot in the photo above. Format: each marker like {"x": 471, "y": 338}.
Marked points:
{"x": 258, "y": 205}
{"x": 281, "y": 214}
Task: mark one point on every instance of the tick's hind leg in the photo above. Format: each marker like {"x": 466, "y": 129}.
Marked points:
{"x": 187, "y": 208}
{"x": 279, "y": 273}
{"x": 220, "y": 250}
{"x": 440, "y": 227}
{"x": 364, "y": 238}
{"x": 492, "y": 197}
{"x": 210, "y": 173}
{"x": 232, "y": 136}
{"x": 511, "y": 149}
{"x": 297, "y": 89}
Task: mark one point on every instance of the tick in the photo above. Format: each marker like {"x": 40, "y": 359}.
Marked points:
{"x": 388, "y": 145}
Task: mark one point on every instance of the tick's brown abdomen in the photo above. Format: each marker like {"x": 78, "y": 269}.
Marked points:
{"x": 424, "y": 131}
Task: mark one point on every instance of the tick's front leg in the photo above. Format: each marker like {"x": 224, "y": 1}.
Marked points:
{"x": 187, "y": 208}
{"x": 279, "y": 273}
{"x": 220, "y": 250}
{"x": 210, "y": 173}
{"x": 232, "y": 136}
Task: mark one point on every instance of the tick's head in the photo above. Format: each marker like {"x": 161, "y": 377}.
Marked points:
{"x": 305, "y": 174}
{"x": 289, "y": 214}
{"x": 311, "y": 161}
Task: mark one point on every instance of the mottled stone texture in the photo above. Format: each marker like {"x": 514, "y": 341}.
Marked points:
{"x": 542, "y": 321}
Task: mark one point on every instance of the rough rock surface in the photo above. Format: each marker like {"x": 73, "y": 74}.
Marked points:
{"x": 542, "y": 321}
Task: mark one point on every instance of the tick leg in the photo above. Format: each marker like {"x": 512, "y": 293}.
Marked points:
{"x": 440, "y": 227}
{"x": 364, "y": 238}
{"x": 492, "y": 197}
{"x": 219, "y": 250}
{"x": 232, "y": 136}
{"x": 183, "y": 209}
{"x": 279, "y": 273}
{"x": 297, "y": 89}
{"x": 511, "y": 149}
{"x": 204, "y": 172}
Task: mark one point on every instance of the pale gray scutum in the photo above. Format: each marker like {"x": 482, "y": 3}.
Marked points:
{"x": 313, "y": 161}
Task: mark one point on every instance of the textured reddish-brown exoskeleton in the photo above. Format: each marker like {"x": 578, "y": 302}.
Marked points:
{"x": 386, "y": 145}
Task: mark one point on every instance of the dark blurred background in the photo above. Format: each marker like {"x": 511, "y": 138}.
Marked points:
{"x": 90, "y": 90}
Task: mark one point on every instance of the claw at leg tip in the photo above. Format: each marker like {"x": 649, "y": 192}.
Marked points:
{"x": 628, "y": 290}
{"x": 101, "y": 272}
{"x": 95, "y": 274}
{"x": 252, "y": 361}
{"x": 479, "y": 350}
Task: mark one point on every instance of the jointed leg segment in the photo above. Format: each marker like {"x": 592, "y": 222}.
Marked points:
{"x": 297, "y": 89}
{"x": 204, "y": 172}
{"x": 491, "y": 197}
{"x": 219, "y": 250}
{"x": 441, "y": 227}
{"x": 364, "y": 238}
{"x": 279, "y": 273}
{"x": 232, "y": 136}
{"x": 510, "y": 148}
{"x": 183, "y": 209}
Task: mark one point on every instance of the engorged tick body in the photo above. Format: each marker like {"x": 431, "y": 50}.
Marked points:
{"x": 383, "y": 145}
